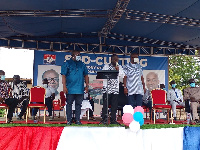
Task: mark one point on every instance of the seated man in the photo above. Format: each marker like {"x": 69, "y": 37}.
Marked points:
{"x": 49, "y": 97}
{"x": 21, "y": 93}
{"x": 192, "y": 94}
{"x": 4, "y": 96}
{"x": 175, "y": 97}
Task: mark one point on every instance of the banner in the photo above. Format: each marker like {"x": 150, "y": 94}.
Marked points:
{"x": 155, "y": 69}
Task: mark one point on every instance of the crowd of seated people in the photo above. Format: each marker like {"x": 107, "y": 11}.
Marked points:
{"x": 190, "y": 99}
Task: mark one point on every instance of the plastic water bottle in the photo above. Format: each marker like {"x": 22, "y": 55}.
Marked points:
{"x": 188, "y": 118}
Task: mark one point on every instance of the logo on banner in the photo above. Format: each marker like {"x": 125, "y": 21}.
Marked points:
{"x": 49, "y": 59}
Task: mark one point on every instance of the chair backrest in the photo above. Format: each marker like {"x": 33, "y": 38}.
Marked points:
{"x": 37, "y": 94}
{"x": 158, "y": 96}
{"x": 56, "y": 104}
{"x": 62, "y": 98}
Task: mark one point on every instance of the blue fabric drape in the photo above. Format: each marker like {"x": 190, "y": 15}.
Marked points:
{"x": 191, "y": 138}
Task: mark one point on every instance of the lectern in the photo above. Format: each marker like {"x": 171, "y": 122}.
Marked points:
{"x": 107, "y": 74}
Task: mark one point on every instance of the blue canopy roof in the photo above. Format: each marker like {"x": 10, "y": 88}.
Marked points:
{"x": 119, "y": 26}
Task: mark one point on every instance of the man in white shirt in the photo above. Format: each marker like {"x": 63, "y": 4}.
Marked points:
{"x": 134, "y": 85}
{"x": 49, "y": 97}
{"x": 175, "y": 97}
{"x": 112, "y": 89}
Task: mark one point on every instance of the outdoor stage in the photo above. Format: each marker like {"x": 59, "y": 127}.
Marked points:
{"x": 96, "y": 138}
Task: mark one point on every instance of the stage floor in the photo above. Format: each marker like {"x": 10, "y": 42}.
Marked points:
{"x": 84, "y": 120}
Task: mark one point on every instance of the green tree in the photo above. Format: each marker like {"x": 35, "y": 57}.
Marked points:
{"x": 183, "y": 68}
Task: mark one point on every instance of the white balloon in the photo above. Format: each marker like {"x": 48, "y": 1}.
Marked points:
{"x": 134, "y": 126}
{"x": 128, "y": 109}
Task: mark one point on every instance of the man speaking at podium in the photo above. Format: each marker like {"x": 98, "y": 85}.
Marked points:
{"x": 113, "y": 90}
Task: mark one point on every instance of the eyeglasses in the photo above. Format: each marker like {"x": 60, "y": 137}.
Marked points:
{"x": 53, "y": 79}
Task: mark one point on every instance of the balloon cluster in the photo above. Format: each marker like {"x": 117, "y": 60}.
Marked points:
{"x": 133, "y": 117}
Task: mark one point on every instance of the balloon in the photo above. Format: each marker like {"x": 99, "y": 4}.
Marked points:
{"x": 127, "y": 118}
{"x": 139, "y": 108}
{"x": 128, "y": 109}
{"x": 137, "y": 116}
{"x": 141, "y": 122}
{"x": 134, "y": 126}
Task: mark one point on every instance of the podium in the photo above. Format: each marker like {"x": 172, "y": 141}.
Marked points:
{"x": 107, "y": 74}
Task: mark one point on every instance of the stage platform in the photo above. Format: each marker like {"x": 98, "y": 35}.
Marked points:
{"x": 84, "y": 120}
{"x": 98, "y": 138}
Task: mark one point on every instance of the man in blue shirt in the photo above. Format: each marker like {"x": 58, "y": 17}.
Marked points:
{"x": 74, "y": 73}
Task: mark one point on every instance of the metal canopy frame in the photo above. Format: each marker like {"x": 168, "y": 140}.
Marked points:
{"x": 119, "y": 11}
{"x": 98, "y": 48}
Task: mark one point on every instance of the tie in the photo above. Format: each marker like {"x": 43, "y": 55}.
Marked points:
{"x": 176, "y": 94}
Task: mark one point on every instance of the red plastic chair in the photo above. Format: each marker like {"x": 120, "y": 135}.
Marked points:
{"x": 37, "y": 100}
{"x": 62, "y": 103}
{"x": 5, "y": 106}
{"x": 159, "y": 102}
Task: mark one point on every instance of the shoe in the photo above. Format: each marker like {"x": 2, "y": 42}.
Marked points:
{"x": 9, "y": 121}
{"x": 33, "y": 117}
{"x": 19, "y": 118}
{"x": 175, "y": 118}
{"x": 69, "y": 123}
{"x": 197, "y": 121}
{"x": 92, "y": 118}
{"x": 78, "y": 123}
{"x": 50, "y": 118}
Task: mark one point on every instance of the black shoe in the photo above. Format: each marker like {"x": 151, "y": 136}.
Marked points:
{"x": 92, "y": 118}
{"x": 19, "y": 118}
{"x": 197, "y": 121}
{"x": 175, "y": 118}
{"x": 69, "y": 123}
{"x": 9, "y": 121}
{"x": 78, "y": 123}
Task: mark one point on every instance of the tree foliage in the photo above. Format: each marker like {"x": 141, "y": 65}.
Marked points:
{"x": 183, "y": 68}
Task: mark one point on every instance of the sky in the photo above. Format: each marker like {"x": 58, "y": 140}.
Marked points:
{"x": 17, "y": 62}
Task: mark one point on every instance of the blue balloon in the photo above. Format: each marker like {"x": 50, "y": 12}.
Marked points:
{"x": 141, "y": 122}
{"x": 137, "y": 116}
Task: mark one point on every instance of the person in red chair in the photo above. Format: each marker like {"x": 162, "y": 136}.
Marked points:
{"x": 5, "y": 97}
{"x": 49, "y": 97}
{"x": 175, "y": 97}
{"x": 192, "y": 94}
{"x": 74, "y": 72}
